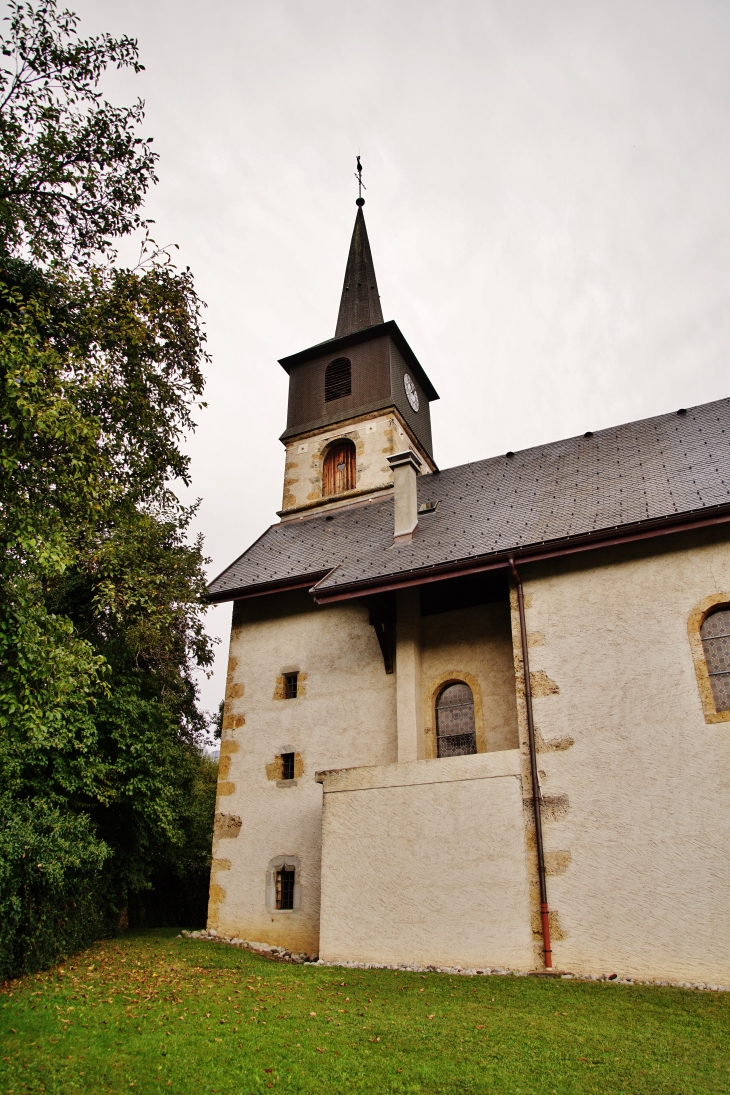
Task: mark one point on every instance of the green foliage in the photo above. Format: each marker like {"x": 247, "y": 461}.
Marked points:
{"x": 73, "y": 171}
{"x": 50, "y": 865}
{"x": 101, "y": 588}
{"x": 155, "y": 1013}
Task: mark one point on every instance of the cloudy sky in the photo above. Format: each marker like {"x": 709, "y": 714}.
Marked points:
{"x": 547, "y": 203}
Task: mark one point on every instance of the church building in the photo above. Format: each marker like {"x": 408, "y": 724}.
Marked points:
{"x": 478, "y": 716}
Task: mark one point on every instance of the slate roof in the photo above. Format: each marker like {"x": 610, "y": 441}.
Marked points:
{"x": 669, "y": 466}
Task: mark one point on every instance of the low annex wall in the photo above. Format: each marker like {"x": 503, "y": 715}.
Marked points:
{"x": 425, "y": 862}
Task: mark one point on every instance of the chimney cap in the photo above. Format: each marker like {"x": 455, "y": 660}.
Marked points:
{"x": 403, "y": 459}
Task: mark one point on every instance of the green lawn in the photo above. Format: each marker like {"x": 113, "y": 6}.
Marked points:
{"x": 153, "y": 1013}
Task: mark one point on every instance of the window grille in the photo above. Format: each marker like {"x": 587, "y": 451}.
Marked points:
{"x": 339, "y": 471}
{"x": 290, "y": 686}
{"x": 715, "y": 635}
{"x": 337, "y": 379}
{"x": 285, "y": 888}
{"x": 287, "y": 766}
{"x": 455, "y": 728}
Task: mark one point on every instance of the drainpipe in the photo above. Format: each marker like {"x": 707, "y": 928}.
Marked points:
{"x": 544, "y": 911}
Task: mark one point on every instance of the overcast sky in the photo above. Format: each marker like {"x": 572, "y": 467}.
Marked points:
{"x": 547, "y": 202}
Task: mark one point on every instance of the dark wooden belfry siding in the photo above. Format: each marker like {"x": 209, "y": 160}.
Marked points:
{"x": 370, "y": 385}
{"x": 420, "y": 420}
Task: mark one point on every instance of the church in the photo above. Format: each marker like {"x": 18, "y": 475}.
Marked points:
{"x": 478, "y": 716}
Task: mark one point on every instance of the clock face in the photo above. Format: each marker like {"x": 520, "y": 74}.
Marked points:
{"x": 411, "y": 392}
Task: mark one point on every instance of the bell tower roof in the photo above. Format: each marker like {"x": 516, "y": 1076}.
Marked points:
{"x": 376, "y": 369}
{"x": 360, "y": 303}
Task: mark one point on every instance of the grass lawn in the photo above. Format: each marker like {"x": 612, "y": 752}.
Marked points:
{"x": 153, "y": 1013}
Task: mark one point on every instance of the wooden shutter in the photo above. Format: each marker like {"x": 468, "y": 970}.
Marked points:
{"x": 339, "y": 468}
{"x": 337, "y": 379}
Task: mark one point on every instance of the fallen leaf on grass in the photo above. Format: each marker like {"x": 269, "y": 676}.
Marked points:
{"x": 431, "y": 1016}
{"x": 375, "y": 1039}
{"x": 319, "y": 1050}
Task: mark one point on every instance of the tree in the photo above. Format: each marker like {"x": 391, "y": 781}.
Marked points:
{"x": 73, "y": 171}
{"x": 102, "y": 781}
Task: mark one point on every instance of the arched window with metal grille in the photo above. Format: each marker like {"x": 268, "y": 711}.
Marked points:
{"x": 339, "y": 471}
{"x": 715, "y": 635}
{"x": 455, "y": 728}
{"x": 337, "y": 379}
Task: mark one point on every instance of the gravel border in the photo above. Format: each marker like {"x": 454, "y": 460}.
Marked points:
{"x": 265, "y": 950}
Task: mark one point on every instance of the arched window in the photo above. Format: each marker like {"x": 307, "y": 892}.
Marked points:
{"x": 715, "y": 635}
{"x": 338, "y": 474}
{"x": 337, "y": 379}
{"x": 455, "y": 729}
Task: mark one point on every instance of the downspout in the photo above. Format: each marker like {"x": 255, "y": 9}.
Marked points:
{"x": 544, "y": 911}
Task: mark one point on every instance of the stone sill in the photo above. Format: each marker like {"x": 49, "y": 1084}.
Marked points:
{"x": 332, "y": 501}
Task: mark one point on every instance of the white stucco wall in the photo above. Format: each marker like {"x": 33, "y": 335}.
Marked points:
{"x": 344, "y": 715}
{"x": 637, "y": 784}
{"x": 475, "y": 645}
{"x": 425, "y": 861}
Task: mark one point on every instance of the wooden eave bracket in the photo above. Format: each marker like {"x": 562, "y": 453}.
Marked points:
{"x": 382, "y": 619}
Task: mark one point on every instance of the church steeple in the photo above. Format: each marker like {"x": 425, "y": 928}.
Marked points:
{"x": 354, "y": 400}
{"x": 360, "y": 304}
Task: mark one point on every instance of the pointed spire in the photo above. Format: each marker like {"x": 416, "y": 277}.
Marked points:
{"x": 360, "y": 304}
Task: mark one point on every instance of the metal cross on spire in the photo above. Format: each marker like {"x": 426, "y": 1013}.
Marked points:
{"x": 360, "y": 184}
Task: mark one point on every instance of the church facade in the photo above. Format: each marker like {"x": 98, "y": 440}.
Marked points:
{"x": 478, "y": 716}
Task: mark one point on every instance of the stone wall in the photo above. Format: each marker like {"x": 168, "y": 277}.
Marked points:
{"x": 344, "y": 714}
{"x": 425, "y": 862}
{"x": 636, "y": 783}
{"x": 375, "y": 438}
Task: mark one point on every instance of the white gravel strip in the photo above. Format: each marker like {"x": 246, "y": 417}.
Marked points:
{"x": 267, "y": 951}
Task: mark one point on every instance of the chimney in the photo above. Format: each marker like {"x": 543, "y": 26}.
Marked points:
{"x": 405, "y": 467}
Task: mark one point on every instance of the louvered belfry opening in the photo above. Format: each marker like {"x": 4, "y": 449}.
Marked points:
{"x": 285, "y": 888}
{"x": 339, "y": 470}
{"x": 715, "y": 635}
{"x": 338, "y": 379}
{"x": 455, "y": 729}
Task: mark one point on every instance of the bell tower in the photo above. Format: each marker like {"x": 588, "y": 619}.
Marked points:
{"x": 354, "y": 400}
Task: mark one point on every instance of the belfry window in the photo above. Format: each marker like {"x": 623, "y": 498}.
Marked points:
{"x": 337, "y": 379}
{"x": 338, "y": 473}
{"x": 285, "y": 887}
{"x": 715, "y": 635}
{"x": 455, "y": 729}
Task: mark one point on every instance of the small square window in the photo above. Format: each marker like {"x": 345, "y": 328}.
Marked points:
{"x": 287, "y": 766}
{"x": 285, "y": 888}
{"x": 290, "y": 686}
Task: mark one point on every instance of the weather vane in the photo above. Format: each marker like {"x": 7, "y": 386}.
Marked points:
{"x": 360, "y": 184}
